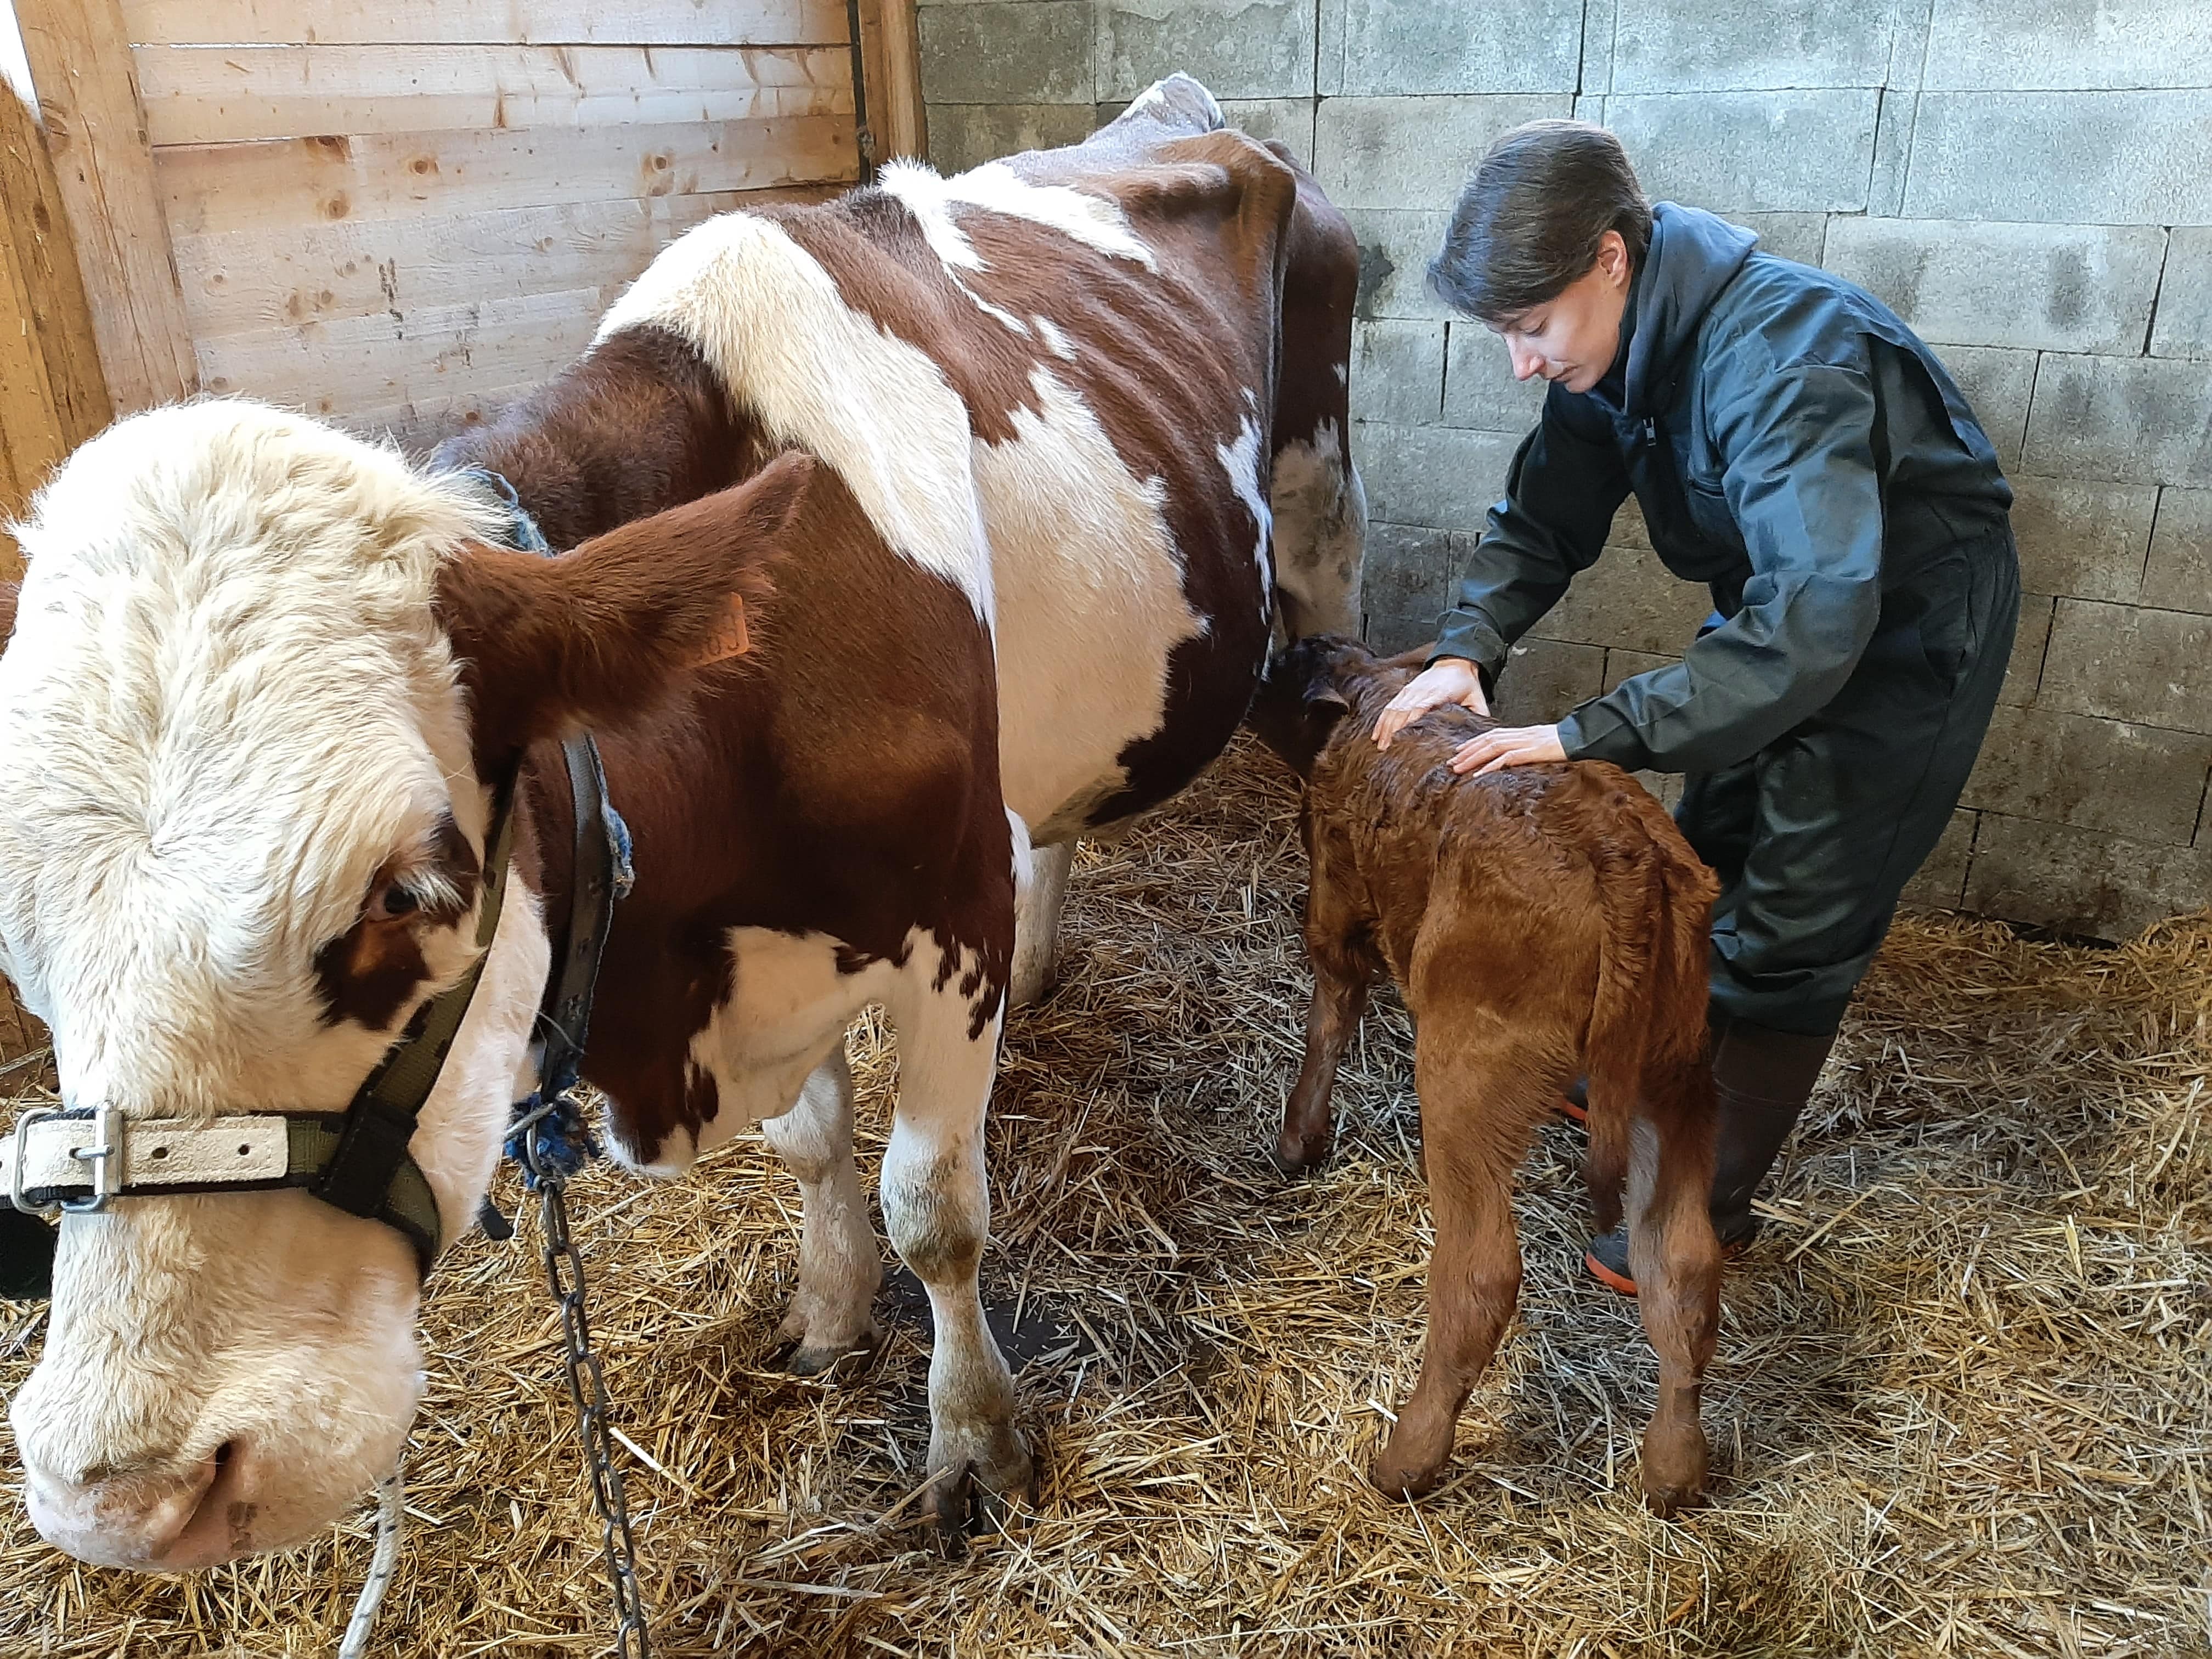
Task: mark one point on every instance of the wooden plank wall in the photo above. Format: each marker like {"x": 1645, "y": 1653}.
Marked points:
{"x": 400, "y": 214}
{"x": 52, "y": 394}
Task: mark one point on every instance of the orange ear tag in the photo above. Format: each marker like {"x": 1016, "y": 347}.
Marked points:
{"x": 729, "y": 639}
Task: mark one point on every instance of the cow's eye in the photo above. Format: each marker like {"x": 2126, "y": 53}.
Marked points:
{"x": 392, "y": 903}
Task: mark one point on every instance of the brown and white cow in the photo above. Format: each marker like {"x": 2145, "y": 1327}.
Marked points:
{"x": 264, "y": 676}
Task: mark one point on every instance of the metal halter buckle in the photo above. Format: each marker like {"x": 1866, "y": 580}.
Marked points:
{"x": 105, "y": 1155}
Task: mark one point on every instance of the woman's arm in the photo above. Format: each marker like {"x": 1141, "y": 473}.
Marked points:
{"x": 1565, "y": 485}
{"x": 1801, "y": 482}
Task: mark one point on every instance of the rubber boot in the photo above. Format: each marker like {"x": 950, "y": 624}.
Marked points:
{"x": 1762, "y": 1078}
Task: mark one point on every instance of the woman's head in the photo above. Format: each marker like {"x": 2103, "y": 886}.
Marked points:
{"x": 1542, "y": 246}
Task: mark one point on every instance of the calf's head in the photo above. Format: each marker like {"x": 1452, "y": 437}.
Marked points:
{"x": 261, "y": 681}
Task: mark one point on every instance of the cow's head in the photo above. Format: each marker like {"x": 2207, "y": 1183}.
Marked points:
{"x": 261, "y": 679}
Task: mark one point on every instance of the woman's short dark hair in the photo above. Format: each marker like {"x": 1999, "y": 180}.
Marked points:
{"x": 1529, "y": 222}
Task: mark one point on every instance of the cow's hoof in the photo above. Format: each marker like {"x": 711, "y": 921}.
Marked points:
{"x": 1298, "y": 1157}
{"x": 799, "y": 1357}
{"x": 970, "y": 1499}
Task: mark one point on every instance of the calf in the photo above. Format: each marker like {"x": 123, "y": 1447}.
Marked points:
{"x": 1540, "y": 922}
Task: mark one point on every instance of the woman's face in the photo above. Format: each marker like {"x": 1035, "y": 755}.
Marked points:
{"x": 1571, "y": 340}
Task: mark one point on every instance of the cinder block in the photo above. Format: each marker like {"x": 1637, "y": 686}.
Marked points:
{"x": 1997, "y": 383}
{"x": 1729, "y": 45}
{"x": 963, "y": 136}
{"x": 2081, "y": 881}
{"x": 2115, "y": 158}
{"x": 2024, "y": 673}
{"x": 1895, "y": 111}
{"x": 1627, "y": 664}
{"x": 1795, "y": 236}
{"x": 1751, "y": 152}
{"x": 1238, "y": 48}
{"x": 1288, "y": 121}
{"x": 1942, "y": 881}
{"x": 1545, "y": 679}
{"x": 1628, "y": 599}
{"x": 2184, "y": 294}
{"x": 2124, "y": 663}
{"x": 2084, "y": 539}
{"x": 2134, "y": 420}
{"x": 2069, "y": 43}
{"x": 1033, "y": 51}
{"x": 1414, "y": 152}
{"x": 2178, "y": 576}
{"x": 1395, "y": 46}
{"x": 1479, "y": 390}
{"x": 2139, "y": 781}
{"x": 1439, "y": 477}
{"x": 1395, "y": 247}
{"x": 2055, "y": 288}
{"x": 1397, "y": 371}
{"x": 1405, "y": 587}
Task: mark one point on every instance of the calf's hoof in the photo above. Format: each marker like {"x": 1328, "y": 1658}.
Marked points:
{"x": 1298, "y": 1155}
{"x": 1674, "y": 1467}
{"x": 1404, "y": 1470}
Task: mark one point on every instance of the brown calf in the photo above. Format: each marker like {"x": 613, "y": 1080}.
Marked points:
{"x": 1541, "y": 923}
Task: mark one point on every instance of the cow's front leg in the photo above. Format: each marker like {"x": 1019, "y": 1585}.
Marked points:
{"x": 840, "y": 1267}
{"x": 937, "y": 1208}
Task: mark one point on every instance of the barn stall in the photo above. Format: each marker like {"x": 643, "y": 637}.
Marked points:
{"x": 1960, "y": 1403}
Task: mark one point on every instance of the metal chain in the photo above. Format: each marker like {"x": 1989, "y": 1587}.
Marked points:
{"x": 587, "y": 1392}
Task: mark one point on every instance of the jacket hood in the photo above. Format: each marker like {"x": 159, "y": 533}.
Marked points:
{"x": 1692, "y": 257}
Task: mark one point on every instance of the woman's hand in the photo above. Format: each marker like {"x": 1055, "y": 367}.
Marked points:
{"x": 1447, "y": 679}
{"x": 1508, "y": 745}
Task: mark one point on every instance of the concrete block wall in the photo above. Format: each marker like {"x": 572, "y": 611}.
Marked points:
{"x": 2028, "y": 182}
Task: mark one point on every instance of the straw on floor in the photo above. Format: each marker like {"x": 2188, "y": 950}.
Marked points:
{"x": 1963, "y": 1401}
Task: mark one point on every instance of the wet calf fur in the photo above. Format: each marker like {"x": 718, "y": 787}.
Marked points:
{"x": 1541, "y": 922}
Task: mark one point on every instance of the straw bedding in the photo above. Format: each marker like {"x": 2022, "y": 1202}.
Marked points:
{"x": 1960, "y": 1405}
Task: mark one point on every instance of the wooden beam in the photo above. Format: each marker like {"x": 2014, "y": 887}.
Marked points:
{"x": 88, "y": 91}
{"x": 890, "y": 63}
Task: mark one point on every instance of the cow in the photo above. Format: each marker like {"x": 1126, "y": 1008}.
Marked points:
{"x": 1011, "y": 473}
{"x": 1541, "y": 922}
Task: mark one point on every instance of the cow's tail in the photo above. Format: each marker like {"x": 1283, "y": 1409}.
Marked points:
{"x": 1647, "y": 1048}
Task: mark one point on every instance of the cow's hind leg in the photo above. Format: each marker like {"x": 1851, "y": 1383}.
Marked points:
{"x": 1036, "y": 923}
{"x": 1481, "y": 1096}
{"x": 1676, "y": 1262}
{"x": 937, "y": 1208}
{"x": 1320, "y": 512}
{"x": 840, "y": 1267}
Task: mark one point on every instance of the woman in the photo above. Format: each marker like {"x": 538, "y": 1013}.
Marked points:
{"x": 1793, "y": 444}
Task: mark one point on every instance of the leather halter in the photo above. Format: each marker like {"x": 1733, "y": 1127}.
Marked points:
{"x": 82, "y": 1158}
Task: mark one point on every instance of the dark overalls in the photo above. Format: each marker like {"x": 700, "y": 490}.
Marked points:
{"x": 1795, "y": 447}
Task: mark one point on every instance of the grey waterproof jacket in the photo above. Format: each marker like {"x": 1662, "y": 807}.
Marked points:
{"x": 1792, "y": 444}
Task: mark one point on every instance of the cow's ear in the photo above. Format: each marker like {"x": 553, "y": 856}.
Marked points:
{"x": 590, "y": 639}
{"x": 8, "y": 594}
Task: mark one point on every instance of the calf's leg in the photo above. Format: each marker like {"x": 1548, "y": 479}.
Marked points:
{"x": 937, "y": 1208}
{"x": 1676, "y": 1262}
{"x": 1344, "y": 965}
{"x": 1340, "y": 997}
{"x": 840, "y": 1267}
{"x": 1481, "y": 1095}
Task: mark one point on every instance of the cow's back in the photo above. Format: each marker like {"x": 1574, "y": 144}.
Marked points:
{"x": 1050, "y": 383}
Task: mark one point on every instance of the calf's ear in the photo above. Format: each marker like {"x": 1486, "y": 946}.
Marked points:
{"x": 594, "y": 637}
